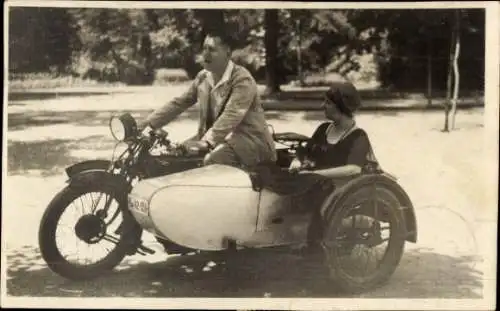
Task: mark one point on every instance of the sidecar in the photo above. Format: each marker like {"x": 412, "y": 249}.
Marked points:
{"x": 217, "y": 207}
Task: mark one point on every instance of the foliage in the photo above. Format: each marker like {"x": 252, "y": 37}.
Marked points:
{"x": 116, "y": 44}
{"x": 130, "y": 45}
{"x": 27, "y": 81}
{"x": 404, "y": 39}
{"x": 41, "y": 39}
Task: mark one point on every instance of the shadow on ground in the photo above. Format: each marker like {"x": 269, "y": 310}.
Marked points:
{"x": 20, "y": 121}
{"x": 27, "y": 119}
{"x": 23, "y": 96}
{"x": 51, "y": 157}
{"x": 258, "y": 275}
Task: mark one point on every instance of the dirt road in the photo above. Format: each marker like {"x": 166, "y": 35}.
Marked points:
{"x": 440, "y": 171}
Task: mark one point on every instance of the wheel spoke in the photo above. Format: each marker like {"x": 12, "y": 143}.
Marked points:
{"x": 370, "y": 256}
{"x": 94, "y": 207}
{"x": 110, "y": 238}
{"x": 115, "y": 214}
{"x": 82, "y": 209}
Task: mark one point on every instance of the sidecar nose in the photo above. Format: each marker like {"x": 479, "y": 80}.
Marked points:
{"x": 139, "y": 208}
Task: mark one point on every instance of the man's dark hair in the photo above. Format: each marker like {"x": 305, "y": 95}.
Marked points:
{"x": 225, "y": 38}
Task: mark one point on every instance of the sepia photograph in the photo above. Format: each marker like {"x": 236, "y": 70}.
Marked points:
{"x": 250, "y": 155}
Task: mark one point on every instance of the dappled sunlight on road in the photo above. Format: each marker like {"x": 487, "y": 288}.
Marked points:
{"x": 424, "y": 273}
{"x": 442, "y": 172}
{"x": 52, "y": 132}
{"x": 258, "y": 274}
{"x": 150, "y": 99}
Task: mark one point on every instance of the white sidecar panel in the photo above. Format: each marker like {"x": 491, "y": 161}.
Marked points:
{"x": 198, "y": 208}
{"x": 278, "y": 223}
{"x": 202, "y": 217}
{"x": 272, "y": 209}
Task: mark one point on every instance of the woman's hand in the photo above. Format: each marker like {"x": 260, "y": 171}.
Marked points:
{"x": 295, "y": 166}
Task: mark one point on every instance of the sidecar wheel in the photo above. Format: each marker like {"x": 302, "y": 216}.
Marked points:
{"x": 90, "y": 229}
{"x": 358, "y": 225}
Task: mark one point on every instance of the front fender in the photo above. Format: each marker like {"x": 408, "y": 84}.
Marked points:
{"x": 406, "y": 204}
{"x": 86, "y": 178}
{"x": 90, "y": 165}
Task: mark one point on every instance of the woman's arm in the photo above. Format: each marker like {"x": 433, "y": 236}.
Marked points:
{"x": 360, "y": 148}
{"x": 355, "y": 160}
{"x": 336, "y": 172}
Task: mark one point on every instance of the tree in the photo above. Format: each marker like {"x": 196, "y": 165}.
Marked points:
{"x": 41, "y": 39}
{"x": 456, "y": 72}
{"x": 271, "y": 44}
{"x": 448, "y": 85}
{"x": 453, "y": 73}
{"x": 416, "y": 40}
{"x": 116, "y": 44}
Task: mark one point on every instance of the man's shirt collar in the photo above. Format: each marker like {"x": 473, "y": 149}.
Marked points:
{"x": 225, "y": 76}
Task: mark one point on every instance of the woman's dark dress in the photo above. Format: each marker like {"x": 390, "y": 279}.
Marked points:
{"x": 353, "y": 149}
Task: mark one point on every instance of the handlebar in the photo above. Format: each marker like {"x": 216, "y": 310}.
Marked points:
{"x": 158, "y": 144}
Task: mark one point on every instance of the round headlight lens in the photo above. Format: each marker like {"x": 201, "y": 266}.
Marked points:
{"x": 117, "y": 128}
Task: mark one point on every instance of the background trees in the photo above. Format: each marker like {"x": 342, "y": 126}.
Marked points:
{"x": 409, "y": 48}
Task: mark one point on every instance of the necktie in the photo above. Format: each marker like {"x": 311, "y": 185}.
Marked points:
{"x": 210, "y": 113}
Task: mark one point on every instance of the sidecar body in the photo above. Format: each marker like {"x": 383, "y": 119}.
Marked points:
{"x": 207, "y": 207}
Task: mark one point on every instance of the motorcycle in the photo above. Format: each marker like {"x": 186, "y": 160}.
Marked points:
{"x": 158, "y": 186}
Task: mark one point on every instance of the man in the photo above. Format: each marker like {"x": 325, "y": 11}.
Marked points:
{"x": 239, "y": 136}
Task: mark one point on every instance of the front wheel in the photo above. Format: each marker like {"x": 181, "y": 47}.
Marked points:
{"x": 99, "y": 223}
{"x": 364, "y": 239}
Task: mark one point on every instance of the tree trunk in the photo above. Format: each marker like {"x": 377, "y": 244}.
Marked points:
{"x": 146, "y": 52}
{"x": 448, "y": 84}
{"x": 456, "y": 69}
{"x": 120, "y": 65}
{"x": 429, "y": 71}
{"x": 299, "y": 53}
{"x": 154, "y": 24}
{"x": 271, "y": 44}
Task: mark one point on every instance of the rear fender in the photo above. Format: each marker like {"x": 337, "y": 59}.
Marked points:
{"x": 90, "y": 165}
{"x": 387, "y": 181}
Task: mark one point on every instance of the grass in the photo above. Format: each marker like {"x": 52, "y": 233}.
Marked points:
{"x": 42, "y": 80}
{"x": 315, "y": 85}
{"x": 49, "y": 81}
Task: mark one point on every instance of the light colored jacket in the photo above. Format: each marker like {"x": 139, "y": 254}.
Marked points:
{"x": 242, "y": 125}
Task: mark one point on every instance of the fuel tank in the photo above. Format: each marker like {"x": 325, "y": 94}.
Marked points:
{"x": 200, "y": 208}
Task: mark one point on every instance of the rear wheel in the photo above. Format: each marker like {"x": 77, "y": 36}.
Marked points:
{"x": 93, "y": 219}
{"x": 364, "y": 239}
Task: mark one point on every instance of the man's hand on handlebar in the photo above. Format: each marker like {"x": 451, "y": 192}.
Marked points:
{"x": 146, "y": 130}
{"x": 196, "y": 147}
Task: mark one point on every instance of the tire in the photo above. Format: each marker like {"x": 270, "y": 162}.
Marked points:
{"x": 127, "y": 243}
{"x": 340, "y": 279}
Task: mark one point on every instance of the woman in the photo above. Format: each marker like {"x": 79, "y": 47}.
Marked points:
{"x": 337, "y": 148}
{"x": 338, "y": 145}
